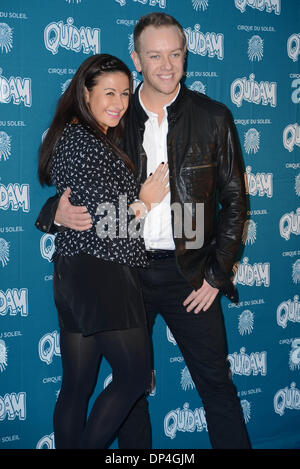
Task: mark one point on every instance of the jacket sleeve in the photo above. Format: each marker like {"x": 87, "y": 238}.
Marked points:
{"x": 46, "y": 217}
{"x": 232, "y": 213}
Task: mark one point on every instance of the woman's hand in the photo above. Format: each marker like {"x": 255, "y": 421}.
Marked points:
{"x": 156, "y": 187}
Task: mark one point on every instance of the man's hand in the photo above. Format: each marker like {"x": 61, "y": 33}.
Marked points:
{"x": 71, "y": 216}
{"x": 201, "y": 298}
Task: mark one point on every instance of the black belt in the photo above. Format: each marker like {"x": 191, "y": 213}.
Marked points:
{"x": 155, "y": 254}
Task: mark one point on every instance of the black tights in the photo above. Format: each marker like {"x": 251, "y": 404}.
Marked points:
{"x": 127, "y": 352}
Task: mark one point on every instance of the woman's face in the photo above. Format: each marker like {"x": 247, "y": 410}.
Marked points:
{"x": 108, "y": 100}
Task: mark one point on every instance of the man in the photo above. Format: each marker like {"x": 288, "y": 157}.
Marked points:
{"x": 196, "y": 136}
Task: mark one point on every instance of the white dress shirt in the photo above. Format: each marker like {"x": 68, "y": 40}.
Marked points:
{"x": 158, "y": 224}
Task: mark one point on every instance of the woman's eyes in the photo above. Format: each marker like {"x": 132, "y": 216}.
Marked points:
{"x": 111, "y": 93}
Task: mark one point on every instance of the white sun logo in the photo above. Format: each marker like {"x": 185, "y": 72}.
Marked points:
{"x": 246, "y": 409}
{"x": 249, "y": 233}
{"x": 251, "y": 141}
{"x": 4, "y": 252}
{"x": 246, "y": 320}
{"x": 255, "y": 48}
{"x": 131, "y": 43}
{"x": 297, "y": 184}
{"x": 198, "y": 86}
{"x": 200, "y": 4}
{"x": 73, "y": 1}
{"x": 135, "y": 80}
{"x": 65, "y": 85}
{"x": 296, "y": 271}
{"x": 3, "y": 355}
{"x": 6, "y": 37}
{"x": 186, "y": 379}
{"x": 294, "y": 357}
{"x": 4, "y": 146}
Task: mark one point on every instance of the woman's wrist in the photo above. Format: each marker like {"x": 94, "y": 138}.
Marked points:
{"x": 139, "y": 208}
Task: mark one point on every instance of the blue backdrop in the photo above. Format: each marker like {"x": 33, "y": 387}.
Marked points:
{"x": 244, "y": 53}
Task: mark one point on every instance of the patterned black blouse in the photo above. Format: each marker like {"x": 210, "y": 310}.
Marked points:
{"x": 100, "y": 181}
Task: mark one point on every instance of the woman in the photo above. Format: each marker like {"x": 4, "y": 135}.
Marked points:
{"x": 96, "y": 286}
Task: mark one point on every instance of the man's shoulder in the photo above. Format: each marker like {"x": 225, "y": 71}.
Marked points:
{"x": 205, "y": 104}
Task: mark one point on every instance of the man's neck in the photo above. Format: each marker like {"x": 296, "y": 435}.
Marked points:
{"x": 155, "y": 101}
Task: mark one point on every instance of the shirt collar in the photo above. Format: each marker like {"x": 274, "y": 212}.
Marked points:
{"x": 150, "y": 113}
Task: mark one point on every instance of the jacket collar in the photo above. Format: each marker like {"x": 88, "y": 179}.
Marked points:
{"x": 173, "y": 108}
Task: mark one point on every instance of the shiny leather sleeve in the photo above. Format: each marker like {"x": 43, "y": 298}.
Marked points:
{"x": 232, "y": 213}
{"x": 45, "y": 219}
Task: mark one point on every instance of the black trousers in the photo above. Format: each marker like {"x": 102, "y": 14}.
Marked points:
{"x": 202, "y": 342}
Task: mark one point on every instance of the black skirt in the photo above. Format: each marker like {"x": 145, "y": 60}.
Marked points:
{"x": 93, "y": 295}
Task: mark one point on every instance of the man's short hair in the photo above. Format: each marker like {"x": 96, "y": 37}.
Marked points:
{"x": 157, "y": 20}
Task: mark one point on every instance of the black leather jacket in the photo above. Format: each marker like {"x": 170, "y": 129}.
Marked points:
{"x": 205, "y": 166}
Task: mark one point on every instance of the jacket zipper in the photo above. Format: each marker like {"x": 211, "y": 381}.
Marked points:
{"x": 200, "y": 166}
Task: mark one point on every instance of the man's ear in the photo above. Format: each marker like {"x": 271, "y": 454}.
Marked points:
{"x": 136, "y": 61}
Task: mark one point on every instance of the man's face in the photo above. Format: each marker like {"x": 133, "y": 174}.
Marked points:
{"x": 160, "y": 59}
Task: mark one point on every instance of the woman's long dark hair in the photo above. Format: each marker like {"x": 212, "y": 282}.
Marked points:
{"x": 72, "y": 105}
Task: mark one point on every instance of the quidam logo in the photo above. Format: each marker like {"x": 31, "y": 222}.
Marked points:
{"x": 246, "y": 322}
{"x": 291, "y": 136}
{"x": 296, "y": 93}
{"x": 47, "y": 246}
{"x": 293, "y": 46}
{"x": 15, "y": 196}
{"x": 14, "y": 301}
{"x": 268, "y": 5}
{"x": 243, "y": 364}
{"x": 290, "y": 224}
{"x": 170, "y": 336}
{"x": 287, "y": 398}
{"x": 16, "y": 89}
{"x": 288, "y": 310}
{"x": 5, "y": 146}
{"x": 184, "y": 420}
{"x": 46, "y": 442}
{"x": 4, "y": 252}
{"x": 49, "y": 347}
{"x": 263, "y": 92}
{"x": 257, "y": 274}
{"x": 255, "y": 48}
{"x": 294, "y": 356}
{"x": 6, "y": 38}
{"x": 251, "y": 141}
{"x": 210, "y": 44}
{"x": 58, "y": 34}
{"x": 259, "y": 184}
{"x": 13, "y": 406}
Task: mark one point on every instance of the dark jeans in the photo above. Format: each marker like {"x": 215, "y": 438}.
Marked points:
{"x": 202, "y": 342}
